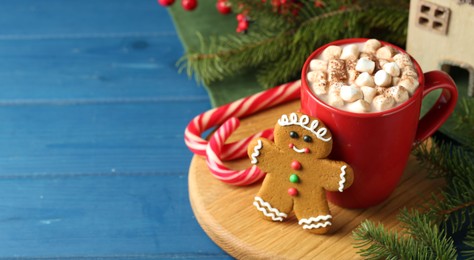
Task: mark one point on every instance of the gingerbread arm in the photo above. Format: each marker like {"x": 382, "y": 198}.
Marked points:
{"x": 262, "y": 153}
{"x": 335, "y": 175}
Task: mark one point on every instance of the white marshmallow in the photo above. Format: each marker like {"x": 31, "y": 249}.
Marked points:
{"x": 382, "y": 102}
{"x": 335, "y": 100}
{"x": 365, "y": 55}
{"x": 359, "y": 106}
{"x": 332, "y": 52}
{"x": 409, "y": 71}
{"x": 400, "y": 94}
{"x": 395, "y": 81}
{"x": 352, "y": 76}
{"x": 382, "y": 78}
{"x": 386, "y": 52}
{"x": 371, "y": 46}
{"x": 337, "y": 70}
{"x": 392, "y": 69}
{"x": 350, "y": 52}
{"x": 382, "y": 62}
{"x": 316, "y": 64}
{"x": 352, "y": 73}
{"x": 319, "y": 89}
{"x": 365, "y": 65}
{"x": 402, "y": 60}
{"x": 335, "y": 88}
{"x": 380, "y": 90}
{"x": 369, "y": 93}
{"x": 350, "y": 93}
{"x": 365, "y": 79}
{"x": 409, "y": 83}
{"x": 316, "y": 76}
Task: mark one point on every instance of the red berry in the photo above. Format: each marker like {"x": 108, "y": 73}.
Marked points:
{"x": 240, "y": 17}
{"x": 189, "y": 5}
{"x": 243, "y": 25}
{"x": 318, "y": 4}
{"x": 165, "y": 2}
{"x": 223, "y": 7}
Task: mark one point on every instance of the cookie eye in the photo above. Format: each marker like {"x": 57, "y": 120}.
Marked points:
{"x": 307, "y": 139}
{"x": 294, "y": 134}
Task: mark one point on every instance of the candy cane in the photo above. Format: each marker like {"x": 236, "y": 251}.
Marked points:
{"x": 239, "y": 108}
{"x": 215, "y": 165}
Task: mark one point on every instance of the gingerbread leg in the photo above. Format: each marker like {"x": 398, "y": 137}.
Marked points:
{"x": 313, "y": 214}
{"x": 274, "y": 205}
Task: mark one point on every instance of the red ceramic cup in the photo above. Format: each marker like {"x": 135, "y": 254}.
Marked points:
{"x": 377, "y": 145}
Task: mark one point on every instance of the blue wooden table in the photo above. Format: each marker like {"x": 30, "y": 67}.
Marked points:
{"x": 92, "y": 112}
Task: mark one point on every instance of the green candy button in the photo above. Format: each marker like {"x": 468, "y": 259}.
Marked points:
{"x": 294, "y": 178}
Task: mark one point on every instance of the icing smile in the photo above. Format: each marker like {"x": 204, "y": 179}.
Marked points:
{"x": 303, "y": 150}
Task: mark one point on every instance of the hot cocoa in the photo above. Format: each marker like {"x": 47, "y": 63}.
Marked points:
{"x": 361, "y": 78}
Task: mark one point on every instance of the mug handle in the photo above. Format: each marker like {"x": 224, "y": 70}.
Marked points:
{"x": 443, "y": 107}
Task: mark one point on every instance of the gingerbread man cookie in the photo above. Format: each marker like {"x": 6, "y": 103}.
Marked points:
{"x": 298, "y": 175}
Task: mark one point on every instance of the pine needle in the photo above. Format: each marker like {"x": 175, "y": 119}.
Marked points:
{"x": 278, "y": 43}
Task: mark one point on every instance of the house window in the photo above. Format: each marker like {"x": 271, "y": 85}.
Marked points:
{"x": 470, "y": 2}
{"x": 433, "y": 17}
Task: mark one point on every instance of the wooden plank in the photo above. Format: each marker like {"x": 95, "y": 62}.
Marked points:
{"x": 111, "y": 68}
{"x": 88, "y": 52}
{"x": 227, "y": 215}
{"x": 95, "y": 138}
{"x": 58, "y": 18}
{"x": 101, "y": 216}
{"x": 93, "y": 113}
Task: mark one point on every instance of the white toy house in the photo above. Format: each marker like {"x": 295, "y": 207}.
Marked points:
{"x": 441, "y": 35}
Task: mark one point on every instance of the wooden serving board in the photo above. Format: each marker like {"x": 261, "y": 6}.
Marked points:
{"x": 227, "y": 215}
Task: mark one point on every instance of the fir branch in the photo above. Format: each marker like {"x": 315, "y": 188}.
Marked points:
{"x": 218, "y": 60}
{"x": 452, "y": 209}
{"x": 432, "y": 159}
{"x": 277, "y": 49}
{"x": 463, "y": 122}
{"x": 456, "y": 165}
{"x": 469, "y": 243}
{"x": 421, "y": 239}
{"x": 375, "y": 242}
{"x": 310, "y": 34}
{"x": 443, "y": 159}
{"x": 424, "y": 229}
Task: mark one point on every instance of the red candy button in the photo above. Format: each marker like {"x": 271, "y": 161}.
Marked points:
{"x": 292, "y": 192}
{"x": 295, "y": 165}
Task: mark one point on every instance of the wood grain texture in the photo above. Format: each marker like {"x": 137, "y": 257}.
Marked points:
{"x": 227, "y": 215}
{"x": 92, "y": 110}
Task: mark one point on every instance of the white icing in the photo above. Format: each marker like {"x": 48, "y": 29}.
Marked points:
{"x": 256, "y": 151}
{"x": 309, "y": 222}
{"x": 268, "y": 210}
{"x": 303, "y": 122}
{"x": 314, "y": 219}
{"x": 319, "y": 225}
{"x": 343, "y": 179}
{"x": 298, "y": 150}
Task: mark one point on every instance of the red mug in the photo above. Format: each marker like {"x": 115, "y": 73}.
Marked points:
{"x": 377, "y": 144}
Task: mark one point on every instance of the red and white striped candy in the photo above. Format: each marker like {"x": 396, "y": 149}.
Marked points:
{"x": 216, "y": 166}
{"x": 239, "y": 108}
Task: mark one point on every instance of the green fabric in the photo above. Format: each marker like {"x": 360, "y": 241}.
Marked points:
{"x": 206, "y": 20}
